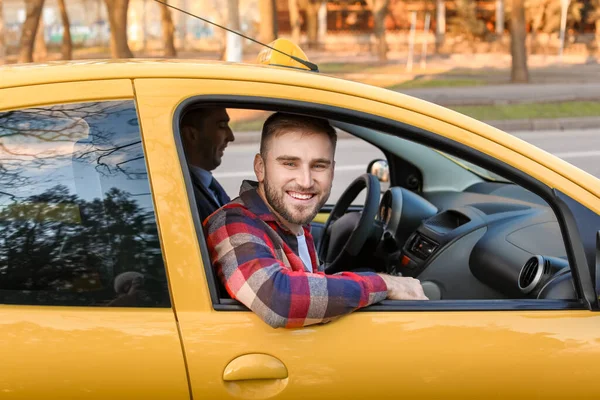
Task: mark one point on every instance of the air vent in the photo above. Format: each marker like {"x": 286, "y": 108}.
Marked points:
{"x": 530, "y": 274}
{"x": 538, "y": 270}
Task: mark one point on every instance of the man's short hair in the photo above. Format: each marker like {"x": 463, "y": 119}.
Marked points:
{"x": 280, "y": 123}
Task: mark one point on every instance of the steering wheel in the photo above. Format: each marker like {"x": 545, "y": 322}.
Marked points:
{"x": 335, "y": 251}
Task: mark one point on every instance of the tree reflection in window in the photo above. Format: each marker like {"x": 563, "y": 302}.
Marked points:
{"x": 77, "y": 224}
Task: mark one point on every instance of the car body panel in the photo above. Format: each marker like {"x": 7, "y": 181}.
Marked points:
{"x": 371, "y": 353}
{"x": 87, "y": 352}
{"x": 429, "y": 355}
{"x": 90, "y": 353}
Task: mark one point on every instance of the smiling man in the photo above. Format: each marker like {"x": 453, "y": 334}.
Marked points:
{"x": 261, "y": 244}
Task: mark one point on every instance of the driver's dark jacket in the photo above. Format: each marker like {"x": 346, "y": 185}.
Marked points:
{"x": 257, "y": 260}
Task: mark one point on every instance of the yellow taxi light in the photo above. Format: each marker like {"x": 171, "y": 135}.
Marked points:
{"x": 268, "y": 56}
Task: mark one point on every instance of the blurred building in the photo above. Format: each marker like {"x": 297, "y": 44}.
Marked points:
{"x": 462, "y": 25}
{"x": 347, "y": 16}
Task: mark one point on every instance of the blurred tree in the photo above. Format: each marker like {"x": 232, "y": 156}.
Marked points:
{"x": 268, "y": 20}
{"x": 312, "y": 22}
{"x": 379, "y": 8}
{"x": 593, "y": 17}
{"x": 322, "y": 26}
{"x": 544, "y": 15}
{"x": 294, "y": 20}
{"x": 518, "y": 49}
{"x": 234, "y": 42}
{"x": 117, "y": 16}
{"x": 499, "y": 17}
{"x": 440, "y": 24}
{"x": 144, "y": 24}
{"x": 67, "y": 44}
{"x": 29, "y": 30}
{"x": 168, "y": 31}
{"x": 182, "y": 25}
{"x": 40, "y": 50}
{"x": 465, "y": 22}
{"x": 220, "y": 17}
{"x": 2, "y": 40}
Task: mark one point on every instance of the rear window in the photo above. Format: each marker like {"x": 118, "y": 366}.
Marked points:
{"x": 77, "y": 223}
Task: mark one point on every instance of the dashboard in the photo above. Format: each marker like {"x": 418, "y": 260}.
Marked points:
{"x": 475, "y": 245}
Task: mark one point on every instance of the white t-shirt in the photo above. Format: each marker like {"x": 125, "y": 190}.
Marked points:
{"x": 303, "y": 252}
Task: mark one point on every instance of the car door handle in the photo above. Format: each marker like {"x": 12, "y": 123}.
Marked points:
{"x": 254, "y": 366}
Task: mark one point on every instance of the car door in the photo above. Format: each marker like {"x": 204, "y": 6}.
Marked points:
{"x": 85, "y": 310}
{"x": 415, "y": 350}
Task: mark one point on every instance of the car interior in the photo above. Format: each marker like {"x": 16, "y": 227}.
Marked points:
{"x": 466, "y": 232}
{"x": 428, "y": 212}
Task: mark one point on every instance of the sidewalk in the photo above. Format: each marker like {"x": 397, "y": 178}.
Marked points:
{"x": 557, "y": 124}
{"x": 508, "y": 94}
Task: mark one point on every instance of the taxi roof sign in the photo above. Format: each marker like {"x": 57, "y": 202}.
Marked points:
{"x": 285, "y": 53}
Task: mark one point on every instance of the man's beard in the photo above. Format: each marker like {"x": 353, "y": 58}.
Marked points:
{"x": 303, "y": 215}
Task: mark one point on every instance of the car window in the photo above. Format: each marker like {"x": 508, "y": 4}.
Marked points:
{"x": 469, "y": 238}
{"x": 77, "y": 223}
{"x": 352, "y": 155}
{"x": 476, "y": 169}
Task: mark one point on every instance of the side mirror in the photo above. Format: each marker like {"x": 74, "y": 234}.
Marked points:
{"x": 381, "y": 170}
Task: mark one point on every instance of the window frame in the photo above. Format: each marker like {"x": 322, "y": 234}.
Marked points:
{"x": 581, "y": 269}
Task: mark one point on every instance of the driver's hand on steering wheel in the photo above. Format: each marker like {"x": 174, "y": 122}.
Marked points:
{"x": 403, "y": 288}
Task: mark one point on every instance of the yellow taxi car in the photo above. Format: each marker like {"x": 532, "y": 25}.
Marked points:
{"x": 107, "y": 290}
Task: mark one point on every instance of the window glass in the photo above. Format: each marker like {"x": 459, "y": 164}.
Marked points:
{"x": 476, "y": 169}
{"x": 77, "y": 224}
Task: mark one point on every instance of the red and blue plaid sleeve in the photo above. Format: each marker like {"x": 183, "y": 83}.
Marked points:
{"x": 254, "y": 272}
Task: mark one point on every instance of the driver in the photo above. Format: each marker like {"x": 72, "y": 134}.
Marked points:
{"x": 261, "y": 244}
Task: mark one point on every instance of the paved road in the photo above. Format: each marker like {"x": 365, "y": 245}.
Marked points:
{"x": 579, "y": 147}
{"x": 503, "y": 94}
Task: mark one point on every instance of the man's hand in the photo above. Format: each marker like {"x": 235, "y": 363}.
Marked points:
{"x": 403, "y": 288}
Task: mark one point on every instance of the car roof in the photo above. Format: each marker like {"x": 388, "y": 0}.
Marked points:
{"x": 85, "y": 70}
{"x": 19, "y": 75}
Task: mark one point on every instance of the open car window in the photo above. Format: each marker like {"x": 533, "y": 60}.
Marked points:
{"x": 490, "y": 244}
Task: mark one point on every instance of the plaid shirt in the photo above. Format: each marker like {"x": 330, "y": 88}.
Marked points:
{"x": 257, "y": 259}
